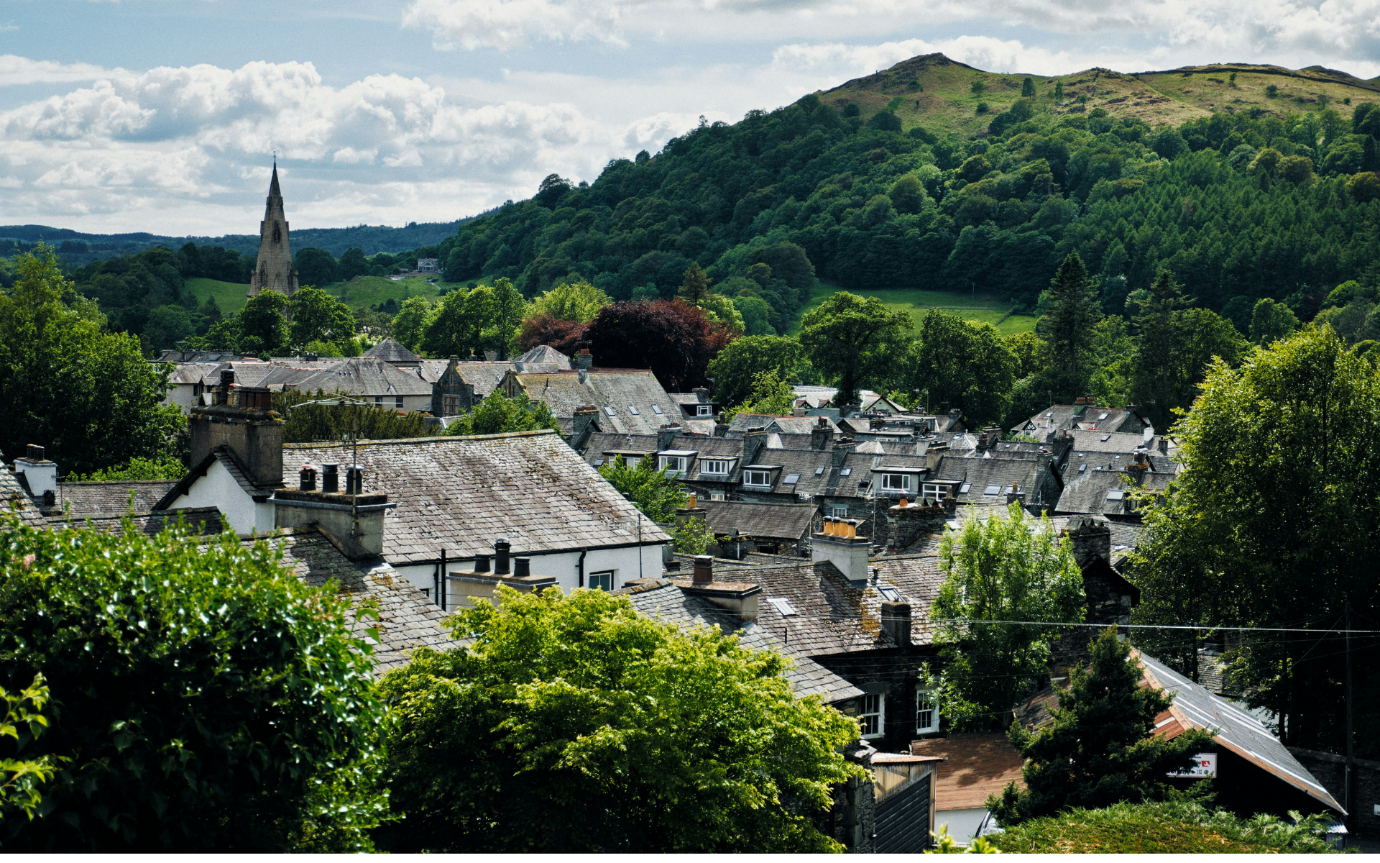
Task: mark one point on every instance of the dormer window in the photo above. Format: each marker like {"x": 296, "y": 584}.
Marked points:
{"x": 704, "y": 410}
{"x": 895, "y": 482}
{"x": 757, "y": 477}
{"x": 673, "y": 463}
{"x": 716, "y": 466}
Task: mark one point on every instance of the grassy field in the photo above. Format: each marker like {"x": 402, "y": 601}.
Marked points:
{"x": 364, "y": 292}
{"x": 985, "y": 309}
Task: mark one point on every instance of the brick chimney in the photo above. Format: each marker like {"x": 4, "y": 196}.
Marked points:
{"x": 933, "y": 454}
{"x": 906, "y": 524}
{"x": 583, "y": 360}
{"x": 704, "y": 569}
{"x": 40, "y": 475}
{"x": 753, "y": 441}
{"x": 1091, "y": 539}
{"x": 896, "y": 622}
{"x": 821, "y": 434}
{"x": 667, "y": 434}
{"x": 842, "y": 447}
{"x": 353, "y": 524}
{"x": 839, "y": 544}
{"x": 245, "y": 423}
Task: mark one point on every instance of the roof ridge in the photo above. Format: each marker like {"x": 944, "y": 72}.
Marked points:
{"x": 414, "y": 440}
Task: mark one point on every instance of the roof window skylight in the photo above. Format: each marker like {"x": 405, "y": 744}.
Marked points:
{"x": 1116, "y": 494}
{"x": 992, "y": 489}
{"x": 783, "y": 605}
{"x": 791, "y": 479}
{"x": 608, "y": 410}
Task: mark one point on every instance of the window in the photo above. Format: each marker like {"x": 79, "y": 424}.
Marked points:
{"x": 714, "y": 466}
{"x": 598, "y": 462}
{"x": 601, "y": 580}
{"x": 895, "y": 482}
{"x": 1082, "y": 467}
{"x": 450, "y": 405}
{"x": 890, "y": 594}
{"x": 1102, "y": 416}
{"x": 1106, "y": 437}
{"x": 933, "y": 491}
{"x": 673, "y": 463}
{"x": 963, "y": 489}
{"x": 656, "y": 409}
{"x": 716, "y": 495}
{"x": 926, "y": 712}
{"x": 838, "y": 511}
{"x": 819, "y": 471}
{"x": 756, "y": 477}
{"x": 1115, "y": 494}
{"x": 783, "y": 605}
{"x": 846, "y": 471}
{"x": 791, "y": 479}
{"x": 608, "y": 410}
{"x": 992, "y": 489}
{"x": 873, "y": 715}
{"x": 378, "y": 401}
{"x": 704, "y": 410}
{"x": 632, "y": 409}
{"x": 399, "y": 402}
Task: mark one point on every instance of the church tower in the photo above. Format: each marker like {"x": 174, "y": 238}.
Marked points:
{"x": 273, "y": 270}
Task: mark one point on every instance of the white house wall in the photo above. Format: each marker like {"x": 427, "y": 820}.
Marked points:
{"x": 218, "y": 489}
{"x": 564, "y": 566}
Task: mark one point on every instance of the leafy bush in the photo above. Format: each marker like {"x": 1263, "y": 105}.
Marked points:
{"x": 575, "y": 724}
{"x": 203, "y": 699}
{"x": 498, "y": 414}
{"x": 654, "y": 493}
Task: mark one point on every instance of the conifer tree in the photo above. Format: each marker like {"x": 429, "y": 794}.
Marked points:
{"x": 1067, "y": 327}
{"x": 695, "y": 287}
{"x": 1028, "y": 88}
{"x": 1102, "y": 748}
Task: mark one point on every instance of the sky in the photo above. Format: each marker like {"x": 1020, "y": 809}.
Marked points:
{"x": 165, "y": 115}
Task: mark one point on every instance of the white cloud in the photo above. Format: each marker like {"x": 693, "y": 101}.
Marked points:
{"x": 15, "y": 70}
{"x": 8, "y": 26}
{"x": 509, "y": 24}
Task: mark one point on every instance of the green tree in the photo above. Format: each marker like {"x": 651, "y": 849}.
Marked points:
{"x": 654, "y": 493}
{"x": 570, "y": 301}
{"x": 1031, "y": 353}
{"x": 692, "y": 537}
{"x": 498, "y": 414}
{"x": 318, "y": 316}
{"x": 352, "y": 263}
{"x": 1274, "y": 520}
{"x": 755, "y": 313}
{"x": 262, "y": 324}
{"x": 1058, "y": 91}
{"x": 456, "y": 326}
{"x": 410, "y": 322}
{"x": 907, "y": 194}
{"x": 999, "y": 569}
{"x": 737, "y": 366}
{"x": 963, "y": 364}
{"x": 24, "y": 722}
{"x": 1028, "y": 88}
{"x": 1271, "y": 321}
{"x": 305, "y": 423}
{"x": 1101, "y": 749}
{"x": 770, "y": 396}
{"x": 315, "y": 267}
{"x": 507, "y": 310}
{"x": 205, "y": 699}
{"x": 574, "y": 724}
{"x": 1067, "y": 326}
{"x": 137, "y": 469}
{"x": 695, "y": 286}
{"x": 722, "y": 310}
{"x": 66, "y": 383}
{"x": 850, "y": 338}
{"x": 168, "y": 325}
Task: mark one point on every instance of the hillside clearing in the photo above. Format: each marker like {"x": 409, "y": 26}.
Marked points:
{"x": 916, "y": 302}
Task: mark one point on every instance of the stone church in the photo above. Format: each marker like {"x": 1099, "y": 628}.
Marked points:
{"x": 274, "y": 271}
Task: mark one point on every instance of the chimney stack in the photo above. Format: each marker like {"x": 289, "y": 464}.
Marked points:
{"x": 40, "y": 475}
{"x": 246, "y": 425}
{"x": 330, "y": 478}
{"x": 501, "y": 549}
{"x": 1090, "y": 539}
{"x": 354, "y": 524}
{"x": 666, "y": 434}
{"x": 522, "y": 567}
{"x": 704, "y": 569}
{"x": 840, "y": 545}
{"x": 842, "y": 447}
{"x": 583, "y": 360}
{"x": 933, "y": 453}
{"x": 905, "y": 524}
{"x": 306, "y": 476}
{"x": 753, "y": 441}
{"x": 896, "y": 622}
{"x": 821, "y": 434}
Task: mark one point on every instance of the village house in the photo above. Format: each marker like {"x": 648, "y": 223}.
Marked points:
{"x": 1082, "y": 415}
{"x": 629, "y": 401}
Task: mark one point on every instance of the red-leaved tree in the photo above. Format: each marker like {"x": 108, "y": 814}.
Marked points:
{"x": 565, "y": 336}
{"x": 672, "y": 338}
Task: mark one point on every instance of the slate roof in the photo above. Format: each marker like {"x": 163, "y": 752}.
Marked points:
{"x": 545, "y": 355}
{"x": 667, "y": 602}
{"x": 978, "y": 765}
{"x": 799, "y": 425}
{"x": 367, "y": 377}
{"x": 832, "y": 616}
{"x": 391, "y": 351}
{"x": 918, "y": 577}
{"x": 1122, "y": 442}
{"x": 1086, "y": 417}
{"x": 621, "y": 390}
{"x": 104, "y": 499}
{"x": 687, "y": 399}
{"x": 191, "y": 373}
{"x": 222, "y": 454}
{"x": 1087, "y": 492}
{"x": 204, "y": 520}
{"x": 766, "y": 520}
{"x": 16, "y": 499}
{"x": 483, "y": 376}
{"x": 979, "y": 474}
{"x": 462, "y": 493}
{"x": 407, "y": 619}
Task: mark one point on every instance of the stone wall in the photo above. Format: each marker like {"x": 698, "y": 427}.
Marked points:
{"x": 1330, "y": 770}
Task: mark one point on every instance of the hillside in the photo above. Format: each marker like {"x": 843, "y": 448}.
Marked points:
{"x": 936, "y": 93}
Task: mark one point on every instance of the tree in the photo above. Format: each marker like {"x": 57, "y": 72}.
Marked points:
{"x": 304, "y": 423}
{"x": 551, "y": 190}
{"x": 850, "y": 338}
{"x": 1274, "y": 520}
{"x": 999, "y": 569}
{"x": 318, "y": 316}
{"x": 66, "y": 383}
{"x": 1271, "y": 321}
{"x": 1028, "y": 88}
{"x": 543, "y": 329}
{"x": 907, "y": 194}
{"x": 498, "y": 414}
{"x": 352, "y": 263}
{"x": 315, "y": 267}
{"x": 770, "y": 396}
{"x": 738, "y": 365}
{"x": 410, "y": 322}
{"x": 1031, "y": 353}
{"x": 1102, "y": 748}
{"x": 721, "y": 310}
{"x": 1067, "y": 326}
{"x": 575, "y": 724}
{"x": 137, "y": 469}
{"x": 654, "y": 493}
{"x": 963, "y": 364}
{"x": 569, "y": 301}
{"x": 508, "y": 307}
{"x": 262, "y": 324}
{"x": 672, "y": 338}
{"x": 204, "y": 698}
{"x": 456, "y": 326}
{"x": 21, "y": 789}
{"x": 695, "y": 286}
{"x": 168, "y": 325}
{"x": 692, "y": 537}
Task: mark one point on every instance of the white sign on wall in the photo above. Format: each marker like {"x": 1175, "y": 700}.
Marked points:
{"x": 1204, "y": 767}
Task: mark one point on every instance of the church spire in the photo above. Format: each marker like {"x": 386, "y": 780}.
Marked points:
{"x": 273, "y": 269}
{"x": 273, "y": 190}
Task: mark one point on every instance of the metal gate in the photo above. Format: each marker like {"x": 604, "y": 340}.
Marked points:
{"x": 903, "y": 819}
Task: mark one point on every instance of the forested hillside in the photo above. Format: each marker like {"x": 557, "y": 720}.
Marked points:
{"x": 1274, "y": 201}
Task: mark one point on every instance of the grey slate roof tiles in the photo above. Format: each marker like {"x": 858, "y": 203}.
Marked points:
{"x": 629, "y": 400}
{"x": 391, "y": 351}
{"x": 81, "y": 500}
{"x": 767, "y": 520}
{"x": 461, "y": 493}
{"x": 367, "y": 377}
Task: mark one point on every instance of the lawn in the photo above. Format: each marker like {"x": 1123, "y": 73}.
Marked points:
{"x": 365, "y": 291}
{"x": 916, "y": 302}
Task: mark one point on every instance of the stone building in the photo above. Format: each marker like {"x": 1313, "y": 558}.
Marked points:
{"x": 273, "y": 270}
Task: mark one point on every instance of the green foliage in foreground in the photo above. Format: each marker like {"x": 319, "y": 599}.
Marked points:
{"x": 498, "y": 414}
{"x": 649, "y": 488}
{"x": 24, "y": 721}
{"x": 164, "y": 467}
{"x": 1102, "y": 748}
{"x": 203, "y": 698}
{"x": 575, "y": 724}
{"x": 304, "y": 423}
{"x": 1168, "y": 827}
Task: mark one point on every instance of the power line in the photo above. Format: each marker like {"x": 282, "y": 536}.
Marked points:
{"x": 1160, "y": 626}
